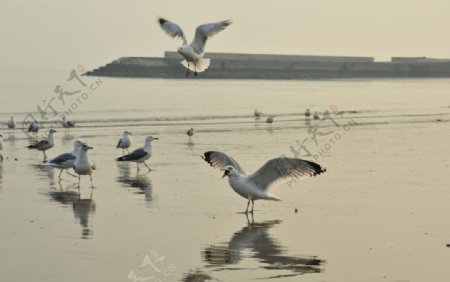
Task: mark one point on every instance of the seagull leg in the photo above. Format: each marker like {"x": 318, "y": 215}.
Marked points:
{"x": 187, "y": 72}
{"x": 79, "y": 180}
{"x": 248, "y": 204}
{"x": 137, "y": 164}
{"x": 45, "y": 156}
{"x": 92, "y": 183}
{"x": 70, "y": 173}
{"x": 149, "y": 169}
{"x": 59, "y": 176}
{"x": 253, "y": 206}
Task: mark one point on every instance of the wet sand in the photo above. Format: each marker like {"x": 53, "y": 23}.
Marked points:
{"x": 380, "y": 213}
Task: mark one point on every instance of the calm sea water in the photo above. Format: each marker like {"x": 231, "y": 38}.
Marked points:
{"x": 380, "y": 213}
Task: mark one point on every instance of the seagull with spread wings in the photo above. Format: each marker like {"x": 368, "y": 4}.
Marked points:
{"x": 256, "y": 186}
{"x": 193, "y": 53}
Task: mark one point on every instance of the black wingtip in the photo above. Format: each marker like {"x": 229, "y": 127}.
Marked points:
{"x": 318, "y": 169}
{"x": 207, "y": 157}
{"x": 121, "y": 159}
{"x": 162, "y": 21}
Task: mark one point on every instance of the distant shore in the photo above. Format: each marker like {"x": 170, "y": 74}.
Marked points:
{"x": 288, "y": 67}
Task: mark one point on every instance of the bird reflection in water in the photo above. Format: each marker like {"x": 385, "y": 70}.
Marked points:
{"x": 83, "y": 206}
{"x": 139, "y": 181}
{"x": 254, "y": 241}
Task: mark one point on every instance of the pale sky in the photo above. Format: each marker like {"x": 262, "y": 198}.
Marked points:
{"x": 56, "y": 34}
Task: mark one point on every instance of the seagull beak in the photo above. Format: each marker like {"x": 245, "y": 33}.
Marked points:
{"x": 226, "y": 173}
{"x": 155, "y": 138}
{"x": 90, "y": 147}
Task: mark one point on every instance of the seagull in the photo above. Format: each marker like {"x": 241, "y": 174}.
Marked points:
{"x": 140, "y": 155}
{"x": 67, "y": 124}
{"x": 11, "y": 123}
{"x": 67, "y": 160}
{"x": 124, "y": 142}
{"x": 257, "y": 113}
{"x": 269, "y": 119}
{"x": 316, "y": 115}
{"x": 193, "y": 53}
{"x": 190, "y": 132}
{"x": 45, "y": 144}
{"x": 307, "y": 113}
{"x": 34, "y": 127}
{"x": 256, "y": 186}
{"x": 82, "y": 165}
{"x": 1, "y": 148}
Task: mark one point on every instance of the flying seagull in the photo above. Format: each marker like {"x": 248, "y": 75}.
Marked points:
{"x": 140, "y": 155}
{"x": 124, "y": 142}
{"x": 256, "y": 186}
{"x": 44, "y": 144}
{"x": 193, "y": 53}
{"x": 67, "y": 160}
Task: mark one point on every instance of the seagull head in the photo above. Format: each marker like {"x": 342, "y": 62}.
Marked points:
{"x": 150, "y": 138}
{"x": 126, "y": 133}
{"x": 229, "y": 170}
{"x": 52, "y": 130}
{"x": 85, "y": 147}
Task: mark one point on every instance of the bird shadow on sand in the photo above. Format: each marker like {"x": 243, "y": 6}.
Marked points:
{"x": 82, "y": 202}
{"x": 254, "y": 242}
{"x": 130, "y": 178}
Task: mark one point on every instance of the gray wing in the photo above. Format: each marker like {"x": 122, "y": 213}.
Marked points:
{"x": 283, "y": 167}
{"x": 204, "y": 31}
{"x": 172, "y": 29}
{"x": 133, "y": 156}
{"x": 221, "y": 160}
{"x": 63, "y": 158}
{"x": 119, "y": 143}
{"x": 38, "y": 144}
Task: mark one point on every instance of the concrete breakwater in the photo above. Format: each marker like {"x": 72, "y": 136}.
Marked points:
{"x": 257, "y": 66}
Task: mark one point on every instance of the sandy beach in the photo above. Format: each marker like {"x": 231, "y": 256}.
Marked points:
{"x": 379, "y": 213}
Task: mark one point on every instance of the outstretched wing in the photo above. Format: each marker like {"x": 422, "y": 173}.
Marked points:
{"x": 172, "y": 29}
{"x": 204, "y": 31}
{"x": 283, "y": 167}
{"x": 221, "y": 160}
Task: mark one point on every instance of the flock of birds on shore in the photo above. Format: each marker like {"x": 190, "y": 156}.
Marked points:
{"x": 252, "y": 187}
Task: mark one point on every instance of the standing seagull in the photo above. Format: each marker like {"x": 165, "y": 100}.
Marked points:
{"x": 45, "y": 144}
{"x": 256, "y": 186}
{"x": 67, "y": 160}
{"x": 193, "y": 53}
{"x": 269, "y": 119}
{"x": 11, "y": 123}
{"x": 140, "y": 155}
{"x": 257, "y": 113}
{"x": 82, "y": 165}
{"x": 190, "y": 132}
{"x": 316, "y": 115}
{"x": 67, "y": 124}
{"x": 1, "y": 148}
{"x": 34, "y": 127}
{"x": 124, "y": 142}
{"x": 307, "y": 113}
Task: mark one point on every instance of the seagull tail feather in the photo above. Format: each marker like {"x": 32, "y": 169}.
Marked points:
{"x": 198, "y": 66}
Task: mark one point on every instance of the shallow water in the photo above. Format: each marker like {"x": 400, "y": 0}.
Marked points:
{"x": 380, "y": 213}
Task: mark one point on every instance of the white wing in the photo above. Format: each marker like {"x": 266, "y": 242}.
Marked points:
{"x": 204, "y": 31}
{"x": 221, "y": 160}
{"x": 172, "y": 29}
{"x": 283, "y": 167}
